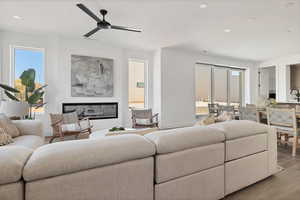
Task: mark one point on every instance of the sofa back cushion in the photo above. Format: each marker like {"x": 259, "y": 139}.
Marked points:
{"x": 240, "y": 128}
{"x": 79, "y": 155}
{"x": 173, "y": 140}
{"x": 8, "y": 126}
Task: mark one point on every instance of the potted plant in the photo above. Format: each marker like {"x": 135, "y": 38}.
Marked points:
{"x": 27, "y": 91}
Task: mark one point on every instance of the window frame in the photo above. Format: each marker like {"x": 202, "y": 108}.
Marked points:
{"x": 12, "y": 70}
{"x": 12, "y": 76}
{"x": 146, "y": 80}
{"x": 211, "y": 85}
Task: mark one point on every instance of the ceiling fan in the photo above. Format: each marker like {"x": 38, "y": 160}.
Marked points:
{"x": 102, "y": 24}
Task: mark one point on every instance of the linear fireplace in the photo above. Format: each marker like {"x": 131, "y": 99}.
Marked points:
{"x": 92, "y": 110}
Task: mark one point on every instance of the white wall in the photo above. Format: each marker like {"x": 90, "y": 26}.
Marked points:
{"x": 58, "y": 52}
{"x": 282, "y": 74}
{"x": 178, "y": 84}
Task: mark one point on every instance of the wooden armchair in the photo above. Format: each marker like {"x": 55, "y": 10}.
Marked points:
{"x": 69, "y": 124}
{"x": 143, "y": 118}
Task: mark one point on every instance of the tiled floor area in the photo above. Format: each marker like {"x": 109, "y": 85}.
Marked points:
{"x": 285, "y": 185}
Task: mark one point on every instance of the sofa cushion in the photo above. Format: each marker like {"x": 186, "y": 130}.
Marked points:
{"x": 243, "y": 172}
{"x": 240, "y": 128}
{"x": 73, "y": 156}
{"x": 29, "y": 127}
{"x": 8, "y": 126}
{"x": 174, "y": 140}
{"x": 12, "y": 161}
{"x": 29, "y": 141}
{"x": 12, "y": 191}
{"x": 186, "y": 162}
{"x": 204, "y": 185}
{"x": 245, "y": 146}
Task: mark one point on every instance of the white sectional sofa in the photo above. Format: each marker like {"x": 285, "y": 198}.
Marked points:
{"x": 201, "y": 163}
{"x": 14, "y": 156}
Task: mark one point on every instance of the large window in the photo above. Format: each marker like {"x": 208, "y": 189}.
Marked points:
{"x": 24, "y": 58}
{"x": 203, "y": 95}
{"x": 219, "y": 85}
{"x": 137, "y": 83}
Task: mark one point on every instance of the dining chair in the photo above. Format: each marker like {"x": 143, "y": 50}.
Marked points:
{"x": 249, "y": 113}
{"x": 281, "y": 106}
{"x": 213, "y": 109}
{"x": 285, "y": 122}
{"x": 226, "y": 108}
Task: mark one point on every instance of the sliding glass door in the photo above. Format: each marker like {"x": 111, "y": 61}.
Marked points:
{"x": 220, "y": 85}
{"x": 203, "y": 92}
{"x": 235, "y": 80}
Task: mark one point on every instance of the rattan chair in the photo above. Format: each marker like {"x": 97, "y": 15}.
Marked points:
{"x": 143, "y": 118}
{"x": 285, "y": 122}
{"x": 69, "y": 125}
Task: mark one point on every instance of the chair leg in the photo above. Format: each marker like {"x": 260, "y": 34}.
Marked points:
{"x": 295, "y": 141}
{"x": 62, "y": 137}
{"x": 52, "y": 138}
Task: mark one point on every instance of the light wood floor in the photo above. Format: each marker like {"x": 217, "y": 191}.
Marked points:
{"x": 285, "y": 185}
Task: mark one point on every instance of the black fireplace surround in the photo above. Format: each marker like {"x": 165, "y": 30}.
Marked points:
{"x": 92, "y": 110}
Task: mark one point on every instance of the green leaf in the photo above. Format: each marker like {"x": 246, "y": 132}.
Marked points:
{"x": 11, "y": 96}
{"x": 28, "y": 78}
{"x": 35, "y": 97}
{"x": 8, "y": 88}
{"x": 40, "y": 88}
{"x": 40, "y": 105}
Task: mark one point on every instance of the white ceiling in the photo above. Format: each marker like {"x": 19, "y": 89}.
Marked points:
{"x": 261, "y": 29}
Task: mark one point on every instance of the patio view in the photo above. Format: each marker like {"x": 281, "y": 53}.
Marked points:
{"x": 136, "y": 83}
{"x": 218, "y": 85}
{"x": 24, "y": 59}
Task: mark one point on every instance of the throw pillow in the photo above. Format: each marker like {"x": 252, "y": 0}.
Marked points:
{"x": 5, "y": 138}
{"x": 8, "y": 126}
{"x": 225, "y": 116}
{"x": 141, "y": 132}
{"x": 207, "y": 121}
{"x": 143, "y": 121}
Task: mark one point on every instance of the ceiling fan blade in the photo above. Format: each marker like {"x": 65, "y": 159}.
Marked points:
{"x": 125, "y": 28}
{"x": 88, "y": 11}
{"x": 92, "y": 32}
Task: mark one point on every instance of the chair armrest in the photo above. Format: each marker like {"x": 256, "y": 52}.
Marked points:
{"x": 58, "y": 123}
{"x": 86, "y": 121}
{"x": 155, "y": 117}
{"x": 30, "y": 127}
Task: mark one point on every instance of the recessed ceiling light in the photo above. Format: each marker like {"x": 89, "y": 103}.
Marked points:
{"x": 17, "y": 17}
{"x": 227, "y": 30}
{"x": 204, "y": 5}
